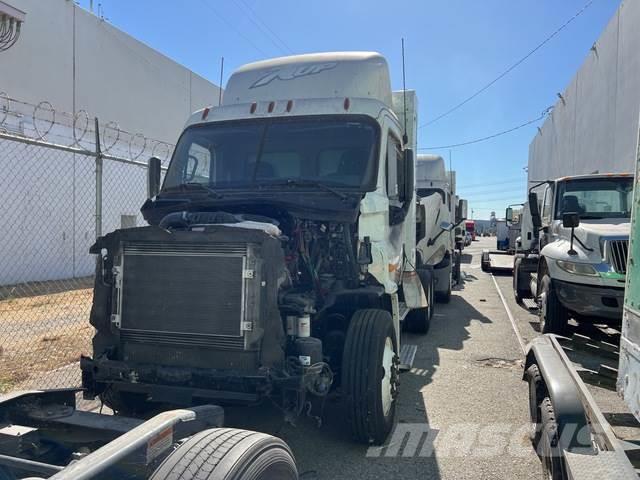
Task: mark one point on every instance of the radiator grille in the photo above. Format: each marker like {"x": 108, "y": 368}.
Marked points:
{"x": 190, "y": 250}
{"x": 618, "y": 250}
{"x": 182, "y": 339}
{"x": 191, "y": 295}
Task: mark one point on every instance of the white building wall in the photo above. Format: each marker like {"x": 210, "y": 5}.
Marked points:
{"x": 117, "y": 78}
{"x": 595, "y": 126}
{"x": 47, "y": 197}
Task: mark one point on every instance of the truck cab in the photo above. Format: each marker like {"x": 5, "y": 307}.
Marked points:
{"x": 436, "y": 218}
{"x": 278, "y": 260}
{"x": 583, "y": 244}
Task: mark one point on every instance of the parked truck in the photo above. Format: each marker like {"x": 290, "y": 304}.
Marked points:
{"x": 437, "y": 216}
{"x": 279, "y": 258}
{"x": 582, "y": 249}
{"x": 580, "y": 433}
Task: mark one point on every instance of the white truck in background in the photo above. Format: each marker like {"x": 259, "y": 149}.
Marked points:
{"x": 583, "y": 224}
{"x": 438, "y": 213}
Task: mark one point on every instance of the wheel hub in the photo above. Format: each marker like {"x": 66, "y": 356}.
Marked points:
{"x": 390, "y": 380}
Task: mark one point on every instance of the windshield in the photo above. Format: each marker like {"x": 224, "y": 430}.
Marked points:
{"x": 594, "y": 198}
{"x": 333, "y": 151}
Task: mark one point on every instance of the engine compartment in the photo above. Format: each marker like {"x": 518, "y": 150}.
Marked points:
{"x": 283, "y": 334}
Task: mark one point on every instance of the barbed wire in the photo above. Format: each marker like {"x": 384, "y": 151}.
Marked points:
{"x": 43, "y": 122}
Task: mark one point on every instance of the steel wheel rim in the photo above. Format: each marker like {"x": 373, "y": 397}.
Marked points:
{"x": 388, "y": 378}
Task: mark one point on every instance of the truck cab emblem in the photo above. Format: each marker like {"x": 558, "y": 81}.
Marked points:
{"x": 292, "y": 72}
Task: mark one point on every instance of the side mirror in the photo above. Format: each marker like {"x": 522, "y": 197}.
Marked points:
{"x": 461, "y": 213}
{"x": 536, "y": 220}
{"x": 408, "y": 185}
{"x": 446, "y": 226}
{"x": 154, "y": 169}
{"x": 570, "y": 220}
{"x": 508, "y": 215}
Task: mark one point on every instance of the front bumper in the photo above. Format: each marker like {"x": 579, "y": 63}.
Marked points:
{"x": 591, "y": 300}
{"x": 181, "y": 386}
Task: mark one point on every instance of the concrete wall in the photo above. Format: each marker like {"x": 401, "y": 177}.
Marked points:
{"x": 595, "y": 127}
{"x": 74, "y": 60}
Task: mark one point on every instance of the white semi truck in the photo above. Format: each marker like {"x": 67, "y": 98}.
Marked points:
{"x": 578, "y": 270}
{"x": 279, "y": 258}
{"x": 438, "y": 213}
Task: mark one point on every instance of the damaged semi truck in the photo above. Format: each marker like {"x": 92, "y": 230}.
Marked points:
{"x": 279, "y": 258}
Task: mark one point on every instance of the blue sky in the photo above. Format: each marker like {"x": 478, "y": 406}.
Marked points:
{"x": 453, "y": 47}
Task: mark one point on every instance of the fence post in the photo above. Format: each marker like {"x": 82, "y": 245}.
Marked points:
{"x": 98, "y": 182}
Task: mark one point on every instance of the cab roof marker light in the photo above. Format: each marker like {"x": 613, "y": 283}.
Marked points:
{"x": 347, "y": 103}
{"x": 289, "y": 105}
{"x": 272, "y": 105}
{"x": 253, "y": 108}
{"x": 205, "y": 113}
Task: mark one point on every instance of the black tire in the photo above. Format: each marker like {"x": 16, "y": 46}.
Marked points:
{"x": 363, "y": 373}
{"x": 548, "y": 448}
{"x": 537, "y": 393}
{"x": 484, "y": 262}
{"x": 229, "y": 454}
{"x": 445, "y": 297}
{"x": 457, "y": 275}
{"x": 517, "y": 291}
{"x": 129, "y": 404}
{"x": 552, "y": 314}
{"x": 419, "y": 320}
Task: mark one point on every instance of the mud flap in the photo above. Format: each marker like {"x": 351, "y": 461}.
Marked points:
{"x": 414, "y": 296}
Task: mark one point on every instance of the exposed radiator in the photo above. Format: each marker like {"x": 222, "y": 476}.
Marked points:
{"x": 183, "y": 339}
{"x": 188, "y": 295}
{"x": 618, "y": 252}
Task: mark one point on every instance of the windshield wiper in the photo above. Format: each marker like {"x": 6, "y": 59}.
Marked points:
{"x": 192, "y": 186}
{"x": 314, "y": 183}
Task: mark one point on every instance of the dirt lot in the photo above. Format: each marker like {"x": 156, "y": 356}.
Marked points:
{"x": 42, "y": 333}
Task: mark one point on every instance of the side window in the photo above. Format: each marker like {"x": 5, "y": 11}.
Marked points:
{"x": 547, "y": 206}
{"x": 394, "y": 167}
{"x": 198, "y": 165}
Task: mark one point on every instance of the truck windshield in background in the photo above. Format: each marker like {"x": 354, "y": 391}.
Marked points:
{"x": 595, "y": 198}
{"x": 334, "y": 151}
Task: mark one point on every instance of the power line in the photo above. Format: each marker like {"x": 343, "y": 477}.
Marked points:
{"x": 279, "y": 43}
{"x": 495, "y": 135}
{"x": 512, "y": 67}
{"x": 513, "y": 180}
{"x": 491, "y": 191}
{"x": 233, "y": 27}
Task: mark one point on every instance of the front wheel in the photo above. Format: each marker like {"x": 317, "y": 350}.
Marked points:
{"x": 370, "y": 371}
{"x": 229, "y": 454}
{"x": 553, "y": 315}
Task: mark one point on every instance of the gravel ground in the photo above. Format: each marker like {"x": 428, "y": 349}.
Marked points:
{"x": 40, "y": 334}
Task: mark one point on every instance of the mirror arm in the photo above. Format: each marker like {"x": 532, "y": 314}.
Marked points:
{"x": 573, "y": 237}
{"x": 431, "y": 241}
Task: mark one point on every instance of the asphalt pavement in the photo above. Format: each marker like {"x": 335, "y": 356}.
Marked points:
{"x": 462, "y": 410}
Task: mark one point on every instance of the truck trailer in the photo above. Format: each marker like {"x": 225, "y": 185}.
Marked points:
{"x": 279, "y": 260}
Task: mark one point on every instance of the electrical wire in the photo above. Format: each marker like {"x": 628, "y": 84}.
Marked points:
{"x": 495, "y": 135}
{"x": 233, "y": 27}
{"x": 511, "y": 68}
{"x": 502, "y": 182}
{"x": 261, "y": 24}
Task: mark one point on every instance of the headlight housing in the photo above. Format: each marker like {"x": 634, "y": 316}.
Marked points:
{"x": 577, "y": 268}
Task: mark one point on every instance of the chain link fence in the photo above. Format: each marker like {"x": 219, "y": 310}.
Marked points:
{"x": 60, "y": 187}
